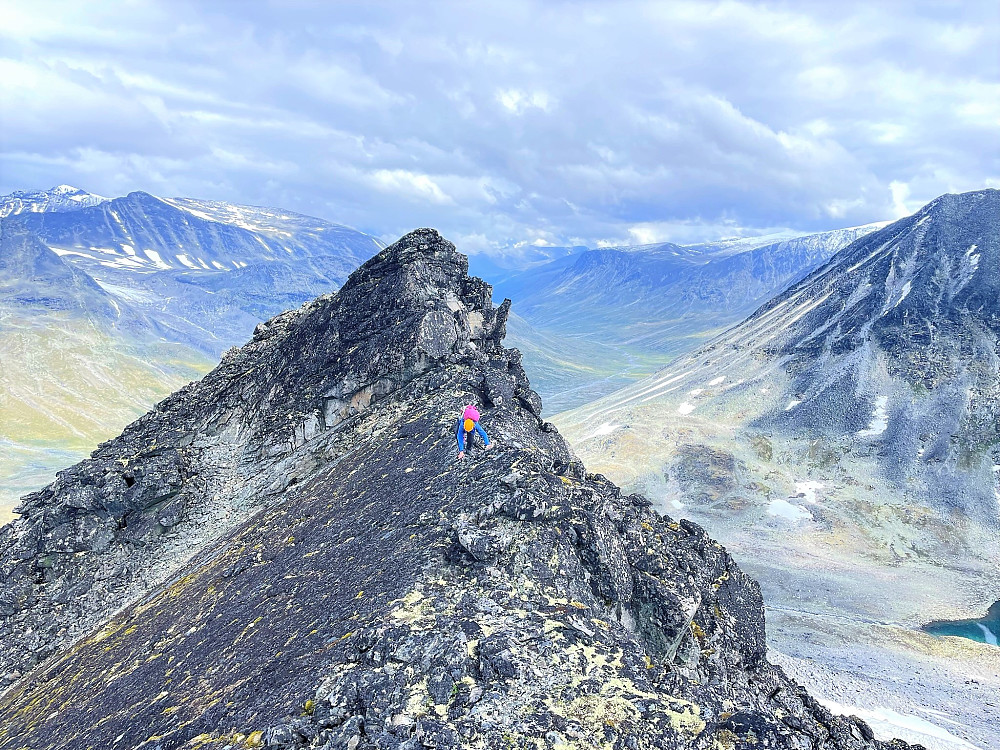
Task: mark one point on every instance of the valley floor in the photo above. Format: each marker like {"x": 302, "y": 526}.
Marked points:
{"x": 847, "y": 630}
{"x": 941, "y": 693}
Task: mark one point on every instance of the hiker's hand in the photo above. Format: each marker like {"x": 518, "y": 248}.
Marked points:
{"x": 461, "y": 454}
{"x": 490, "y": 446}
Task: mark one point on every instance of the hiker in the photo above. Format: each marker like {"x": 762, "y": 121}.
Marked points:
{"x": 468, "y": 425}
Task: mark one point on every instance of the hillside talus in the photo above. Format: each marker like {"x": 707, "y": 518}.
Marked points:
{"x": 355, "y": 586}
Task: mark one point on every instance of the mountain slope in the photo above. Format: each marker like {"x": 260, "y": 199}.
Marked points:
{"x": 169, "y": 259}
{"x": 846, "y": 433}
{"x": 33, "y": 279}
{"x": 350, "y": 573}
{"x": 657, "y": 294}
{"x": 659, "y": 301}
{"x": 109, "y": 307}
{"x": 575, "y": 369}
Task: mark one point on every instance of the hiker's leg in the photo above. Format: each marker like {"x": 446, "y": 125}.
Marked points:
{"x": 468, "y": 442}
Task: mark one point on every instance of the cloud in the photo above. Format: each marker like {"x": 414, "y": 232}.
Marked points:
{"x": 410, "y": 185}
{"x": 899, "y": 191}
{"x": 528, "y": 121}
{"x": 518, "y": 102}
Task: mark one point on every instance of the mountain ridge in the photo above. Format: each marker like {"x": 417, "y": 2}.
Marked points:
{"x": 401, "y": 598}
{"x": 59, "y": 198}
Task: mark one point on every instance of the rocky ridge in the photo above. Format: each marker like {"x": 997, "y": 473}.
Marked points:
{"x": 59, "y": 198}
{"x": 352, "y": 585}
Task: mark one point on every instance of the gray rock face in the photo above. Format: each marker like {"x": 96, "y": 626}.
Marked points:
{"x": 895, "y": 341}
{"x": 288, "y": 554}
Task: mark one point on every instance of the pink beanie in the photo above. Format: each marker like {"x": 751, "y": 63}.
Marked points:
{"x": 471, "y": 413}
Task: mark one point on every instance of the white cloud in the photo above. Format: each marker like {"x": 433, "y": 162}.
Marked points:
{"x": 647, "y": 234}
{"x": 410, "y": 185}
{"x": 525, "y": 121}
{"x": 900, "y": 191}
{"x": 518, "y": 101}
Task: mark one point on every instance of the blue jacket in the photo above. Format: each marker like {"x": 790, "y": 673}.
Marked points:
{"x": 460, "y": 434}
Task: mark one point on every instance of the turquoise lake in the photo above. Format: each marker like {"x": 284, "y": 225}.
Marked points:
{"x": 984, "y": 630}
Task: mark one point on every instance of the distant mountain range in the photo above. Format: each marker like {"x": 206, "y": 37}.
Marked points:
{"x": 108, "y": 305}
{"x": 201, "y": 273}
{"x": 845, "y": 440}
{"x": 646, "y": 305}
{"x": 656, "y": 295}
{"x": 159, "y": 288}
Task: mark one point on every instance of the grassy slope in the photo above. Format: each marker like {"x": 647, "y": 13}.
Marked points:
{"x": 570, "y": 371}
{"x": 65, "y": 387}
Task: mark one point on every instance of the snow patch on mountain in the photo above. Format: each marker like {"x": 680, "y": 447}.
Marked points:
{"x": 604, "y": 429}
{"x": 781, "y": 508}
{"x": 59, "y": 198}
{"x": 880, "y": 419}
{"x": 887, "y": 724}
{"x": 808, "y": 489}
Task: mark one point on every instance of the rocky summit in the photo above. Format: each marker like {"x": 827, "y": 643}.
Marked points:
{"x": 289, "y": 554}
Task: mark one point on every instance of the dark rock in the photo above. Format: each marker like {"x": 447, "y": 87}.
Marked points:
{"x": 405, "y": 598}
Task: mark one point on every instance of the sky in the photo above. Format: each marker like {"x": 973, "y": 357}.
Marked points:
{"x": 514, "y": 123}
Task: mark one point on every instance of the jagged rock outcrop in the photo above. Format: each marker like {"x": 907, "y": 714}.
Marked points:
{"x": 355, "y": 586}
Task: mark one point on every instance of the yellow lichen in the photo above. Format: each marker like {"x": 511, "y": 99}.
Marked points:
{"x": 725, "y": 740}
{"x": 687, "y": 719}
{"x": 697, "y": 631}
